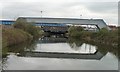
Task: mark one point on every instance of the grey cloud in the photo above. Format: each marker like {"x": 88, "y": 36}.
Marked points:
{"x": 62, "y": 9}
{"x": 99, "y": 7}
{"x": 109, "y": 7}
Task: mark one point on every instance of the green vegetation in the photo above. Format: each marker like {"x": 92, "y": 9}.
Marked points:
{"x": 14, "y": 36}
{"x": 19, "y": 48}
{"x": 119, "y": 37}
{"x": 76, "y": 43}
{"x": 22, "y": 31}
{"x": 75, "y": 31}
{"x": 103, "y": 36}
{"x": 36, "y": 32}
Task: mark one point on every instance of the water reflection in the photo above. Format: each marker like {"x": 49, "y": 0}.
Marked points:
{"x": 40, "y": 51}
{"x": 104, "y": 49}
{"x": 84, "y": 48}
{"x": 20, "y": 48}
{"x": 62, "y": 45}
{"x": 52, "y": 40}
{"x": 15, "y": 50}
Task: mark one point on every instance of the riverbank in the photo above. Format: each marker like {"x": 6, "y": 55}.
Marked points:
{"x": 103, "y": 36}
{"x": 14, "y": 36}
{"x": 19, "y": 32}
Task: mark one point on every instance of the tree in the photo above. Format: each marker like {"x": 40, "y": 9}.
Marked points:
{"x": 28, "y": 27}
{"x": 75, "y": 31}
{"x": 21, "y": 24}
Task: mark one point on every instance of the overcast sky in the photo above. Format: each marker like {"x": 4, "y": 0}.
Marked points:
{"x": 106, "y": 9}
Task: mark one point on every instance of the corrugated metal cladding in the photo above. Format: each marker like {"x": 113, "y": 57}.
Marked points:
{"x": 6, "y": 22}
{"x": 99, "y": 22}
{"x": 49, "y": 24}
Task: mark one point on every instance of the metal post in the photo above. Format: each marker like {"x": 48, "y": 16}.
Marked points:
{"x": 81, "y": 16}
{"x": 41, "y": 13}
{"x": 41, "y": 16}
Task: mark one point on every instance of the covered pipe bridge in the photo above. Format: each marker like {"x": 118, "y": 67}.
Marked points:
{"x": 41, "y": 21}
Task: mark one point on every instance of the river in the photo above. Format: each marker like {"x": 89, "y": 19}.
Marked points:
{"x": 50, "y": 53}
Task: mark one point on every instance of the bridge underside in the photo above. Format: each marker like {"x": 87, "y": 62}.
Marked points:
{"x": 55, "y": 30}
{"x": 59, "y": 28}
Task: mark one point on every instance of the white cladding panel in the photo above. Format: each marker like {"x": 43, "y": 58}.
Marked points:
{"x": 99, "y": 22}
{"x": 66, "y": 21}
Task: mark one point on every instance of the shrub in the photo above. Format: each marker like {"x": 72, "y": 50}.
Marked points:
{"x": 28, "y": 27}
{"x": 102, "y": 36}
{"x": 75, "y": 31}
{"x": 14, "y": 36}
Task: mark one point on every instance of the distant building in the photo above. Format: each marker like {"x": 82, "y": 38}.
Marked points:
{"x": 112, "y": 27}
{"x": 6, "y": 23}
